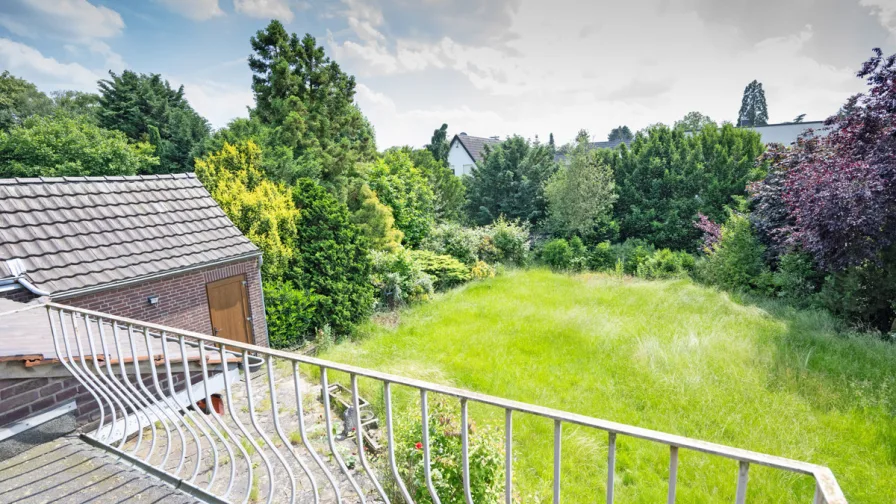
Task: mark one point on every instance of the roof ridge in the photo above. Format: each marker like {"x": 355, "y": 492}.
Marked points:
{"x": 99, "y": 178}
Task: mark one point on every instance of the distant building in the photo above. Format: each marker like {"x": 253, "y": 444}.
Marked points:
{"x": 465, "y": 151}
{"x": 787, "y": 133}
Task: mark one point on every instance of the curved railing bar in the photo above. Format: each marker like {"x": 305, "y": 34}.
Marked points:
{"x": 269, "y": 362}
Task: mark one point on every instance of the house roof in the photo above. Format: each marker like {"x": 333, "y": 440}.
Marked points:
{"x": 610, "y": 144}
{"x": 474, "y": 145}
{"x": 72, "y": 234}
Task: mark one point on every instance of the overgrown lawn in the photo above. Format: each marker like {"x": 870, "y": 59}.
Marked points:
{"x": 670, "y": 356}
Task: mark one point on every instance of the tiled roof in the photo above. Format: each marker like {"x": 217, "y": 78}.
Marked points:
{"x": 475, "y": 145}
{"x": 610, "y": 144}
{"x": 73, "y": 233}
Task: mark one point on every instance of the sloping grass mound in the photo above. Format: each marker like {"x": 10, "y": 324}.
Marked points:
{"x": 670, "y": 356}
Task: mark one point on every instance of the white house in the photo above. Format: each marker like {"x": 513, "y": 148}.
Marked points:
{"x": 465, "y": 151}
{"x": 787, "y": 133}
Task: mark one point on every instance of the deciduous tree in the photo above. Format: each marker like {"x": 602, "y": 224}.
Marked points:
{"x": 620, "y": 133}
{"x": 61, "y": 145}
{"x": 402, "y": 187}
{"x": 581, "y": 193}
{"x": 19, "y": 100}
{"x": 693, "y": 121}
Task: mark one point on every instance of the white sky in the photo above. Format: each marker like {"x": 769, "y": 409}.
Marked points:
{"x": 487, "y": 67}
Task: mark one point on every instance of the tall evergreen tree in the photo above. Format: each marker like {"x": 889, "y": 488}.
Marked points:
{"x": 439, "y": 145}
{"x": 753, "y": 109}
{"x": 147, "y": 109}
{"x": 510, "y": 181}
{"x": 309, "y": 101}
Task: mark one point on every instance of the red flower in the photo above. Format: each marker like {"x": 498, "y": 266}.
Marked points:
{"x": 418, "y": 446}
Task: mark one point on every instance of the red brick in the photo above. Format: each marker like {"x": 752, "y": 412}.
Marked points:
{"x": 21, "y": 387}
{"x": 11, "y": 416}
{"x": 52, "y": 388}
{"x": 66, "y": 394}
{"x": 19, "y": 400}
{"x": 43, "y": 404}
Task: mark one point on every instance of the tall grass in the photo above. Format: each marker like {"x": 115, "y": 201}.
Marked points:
{"x": 670, "y": 356}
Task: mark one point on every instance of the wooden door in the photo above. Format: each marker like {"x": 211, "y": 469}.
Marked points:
{"x": 228, "y": 306}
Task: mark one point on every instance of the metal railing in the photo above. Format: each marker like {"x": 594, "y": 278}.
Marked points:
{"x": 150, "y": 388}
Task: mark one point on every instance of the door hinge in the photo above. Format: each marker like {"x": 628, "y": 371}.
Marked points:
{"x": 245, "y": 282}
{"x": 249, "y": 318}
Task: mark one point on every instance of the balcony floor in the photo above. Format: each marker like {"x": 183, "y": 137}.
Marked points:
{"x": 68, "y": 470}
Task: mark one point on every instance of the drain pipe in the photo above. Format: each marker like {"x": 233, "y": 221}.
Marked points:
{"x": 18, "y": 270}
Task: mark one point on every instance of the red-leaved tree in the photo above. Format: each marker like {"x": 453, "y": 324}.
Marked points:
{"x": 841, "y": 189}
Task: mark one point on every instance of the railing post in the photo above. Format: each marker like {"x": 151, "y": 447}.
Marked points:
{"x": 465, "y": 449}
{"x": 742, "y": 475}
{"x": 558, "y": 426}
{"x": 427, "y": 471}
{"x": 673, "y": 473}
{"x": 611, "y": 466}
{"x": 508, "y": 456}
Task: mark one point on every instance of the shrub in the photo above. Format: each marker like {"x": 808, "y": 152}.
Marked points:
{"x": 511, "y": 241}
{"x": 289, "y": 312}
{"x": 664, "y": 264}
{"x": 863, "y": 295}
{"x": 332, "y": 259}
{"x": 399, "y": 279}
{"x": 557, "y": 254}
{"x": 632, "y": 253}
{"x": 482, "y": 270}
{"x": 796, "y": 279}
{"x": 455, "y": 240}
{"x": 486, "y": 457}
{"x": 445, "y": 270}
{"x": 736, "y": 260}
{"x": 401, "y": 187}
{"x": 263, "y": 211}
{"x": 502, "y": 242}
{"x": 602, "y": 257}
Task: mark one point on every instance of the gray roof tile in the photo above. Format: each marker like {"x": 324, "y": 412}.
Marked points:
{"x": 476, "y": 145}
{"x": 79, "y": 232}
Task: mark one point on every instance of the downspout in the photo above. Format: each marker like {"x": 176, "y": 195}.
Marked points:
{"x": 263, "y": 307}
{"x": 18, "y": 270}
{"x": 34, "y": 290}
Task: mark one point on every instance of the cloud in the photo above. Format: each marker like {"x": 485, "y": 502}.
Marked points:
{"x": 62, "y": 19}
{"x": 843, "y": 28}
{"x": 48, "y": 73}
{"x": 217, "y": 102}
{"x": 197, "y": 10}
{"x": 79, "y": 23}
{"x": 265, "y": 9}
{"x": 414, "y": 127}
{"x": 565, "y": 66}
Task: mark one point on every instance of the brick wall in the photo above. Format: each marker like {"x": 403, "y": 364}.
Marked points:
{"x": 21, "y": 295}
{"x": 183, "y": 302}
{"x": 20, "y": 399}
